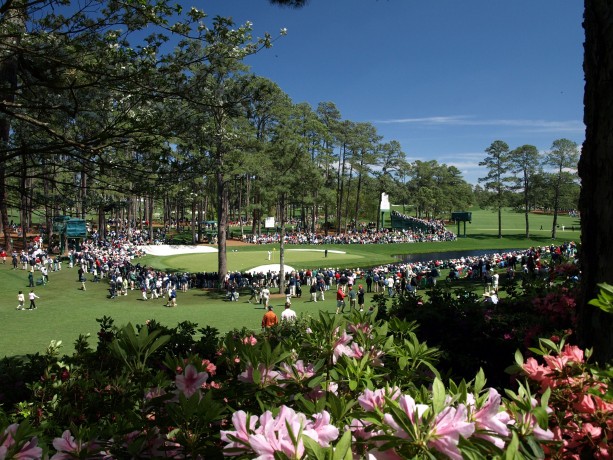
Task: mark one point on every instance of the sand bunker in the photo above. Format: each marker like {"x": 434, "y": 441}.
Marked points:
{"x": 271, "y": 268}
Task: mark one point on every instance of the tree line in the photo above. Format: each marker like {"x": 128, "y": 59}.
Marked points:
{"x": 528, "y": 180}
{"x": 99, "y": 118}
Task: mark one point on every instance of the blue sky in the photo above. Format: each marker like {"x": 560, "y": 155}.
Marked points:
{"x": 445, "y": 78}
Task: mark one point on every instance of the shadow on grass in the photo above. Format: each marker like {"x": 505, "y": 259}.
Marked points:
{"x": 519, "y": 237}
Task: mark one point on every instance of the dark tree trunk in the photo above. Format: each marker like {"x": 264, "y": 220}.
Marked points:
{"x": 282, "y": 218}
{"x": 222, "y": 227}
{"x": 595, "y": 171}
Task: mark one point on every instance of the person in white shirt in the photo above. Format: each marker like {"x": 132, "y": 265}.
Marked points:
{"x": 21, "y": 299}
{"x": 288, "y": 314}
{"x": 495, "y": 280}
{"x": 265, "y": 295}
{"x": 32, "y": 298}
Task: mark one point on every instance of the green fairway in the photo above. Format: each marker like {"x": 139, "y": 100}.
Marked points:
{"x": 64, "y": 311}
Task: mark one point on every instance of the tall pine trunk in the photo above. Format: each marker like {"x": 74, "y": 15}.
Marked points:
{"x": 595, "y": 171}
{"x": 222, "y": 226}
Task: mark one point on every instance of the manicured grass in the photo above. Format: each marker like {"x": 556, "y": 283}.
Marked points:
{"x": 64, "y": 311}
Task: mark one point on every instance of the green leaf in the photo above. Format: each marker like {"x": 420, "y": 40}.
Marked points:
{"x": 313, "y": 449}
{"x": 479, "y": 381}
{"x": 519, "y": 358}
{"x": 343, "y": 448}
{"x": 511, "y": 449}
{"x": 438, "y": 395}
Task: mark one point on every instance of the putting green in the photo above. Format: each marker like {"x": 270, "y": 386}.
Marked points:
{"x": 241, "y": 259}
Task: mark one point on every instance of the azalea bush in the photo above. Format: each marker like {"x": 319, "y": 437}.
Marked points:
{"x": 330, "y": 387}
{"x": 579, "y": 398}
{"x": 531, "y": 307}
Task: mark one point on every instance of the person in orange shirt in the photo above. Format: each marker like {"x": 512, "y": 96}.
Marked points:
{"x": 270, "y": 319}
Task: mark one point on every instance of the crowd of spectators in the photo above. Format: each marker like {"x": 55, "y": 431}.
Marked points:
{"x": 418, "y": 230}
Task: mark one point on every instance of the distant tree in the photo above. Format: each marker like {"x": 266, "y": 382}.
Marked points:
{"x": 563, "y": 157}
{"x": 496, "y": 181}
{"x": 391, "y": 161}
{"x": 524, "y": 161}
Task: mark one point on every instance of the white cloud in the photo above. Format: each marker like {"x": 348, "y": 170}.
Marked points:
{"x": 465, "y": 120}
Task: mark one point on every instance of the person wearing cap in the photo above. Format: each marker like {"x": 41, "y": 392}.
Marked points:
{"x": 270, "y": 319}
{"x": 340, "y": 300}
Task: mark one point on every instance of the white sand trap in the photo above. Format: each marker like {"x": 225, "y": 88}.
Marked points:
{"x": 272, "y": 268}
{"x": 330, "y": 251}
{"x": 172, "y": 249}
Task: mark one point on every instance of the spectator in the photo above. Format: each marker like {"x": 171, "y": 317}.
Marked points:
{"x": 340, "y": 301}
{"x": 288, "y": 314}
{"x": 270, "y": 319}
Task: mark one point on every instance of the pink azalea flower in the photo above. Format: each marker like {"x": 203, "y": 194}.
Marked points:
{"x": 449, "y": 425}
{"x": 341, "y": 348}
{"x": 389, "y": 454}
{"x": 251, "y": 340}
{"x": 244, "y": 425}
{"x": 359, "y": 429}
{"x": 209, "y": 367}
{"x": 534, "y": 370}
{"x": 585, "y": 404}
{"x": 371, "y": 400}
{"x": 190, "y": 382}
{"x": 154, "y": 392}
{"x": 321, "y": 430}
{"x": 489, "y": 417}
{"x": 267, "y": 376}
{"x": 364, "y": 327}
{"x": 272, "y": 435}
{"x": 557, "y": 363}
{"x": 68, "y": 448}
{"x": 413, "y": 410}
{"x": 297, "y": 372}
{"x": 29, "y": 451}
{"x": 573, "y": 353}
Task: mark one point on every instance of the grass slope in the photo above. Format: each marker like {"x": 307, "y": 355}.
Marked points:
{"x": 65, "y": 311}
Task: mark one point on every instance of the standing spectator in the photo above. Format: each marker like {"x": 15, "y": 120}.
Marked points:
{"x": 21, "y": 300}
{"x": 390, "y": 286}
{"x": 321, "y": 287}
{"x": 353, "y": 298}
{"x": 313, "y": 292}
{"x": 44, "y": 274}
{"x": 172, "y": 297}
{"x": 369, "y": 282}
{"x": 376, "y": 280}
{"x": 340, "y": 300}
{"x": 265, "y": 296}
{"x": 495, "y": 279}
{"x": 32, "y": 296}
{"x": 253, "y": 289}
{"x": 30, "y": 278}
{"x": 288, "y": 314}
{"x": 361, "y": 297}
{"x": 270, "y": 319}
